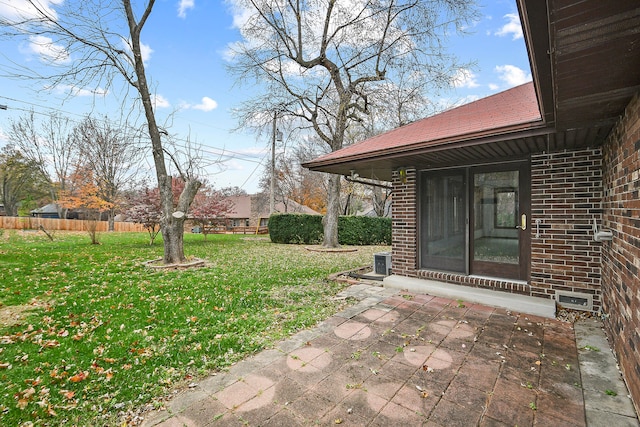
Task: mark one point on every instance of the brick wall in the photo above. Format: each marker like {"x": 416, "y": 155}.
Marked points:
{"x": 566, "y": 194}
{"x": 621, "y": 256}
{"x": 403, "y": 223}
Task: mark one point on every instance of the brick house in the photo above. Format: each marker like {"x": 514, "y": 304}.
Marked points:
{"x": 505, "y": 195}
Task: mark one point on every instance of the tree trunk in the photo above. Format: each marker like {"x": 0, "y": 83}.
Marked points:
{"x": 330, "y": 220}
{"x": 173, "y": 237}
{"x": 111, "y": 220}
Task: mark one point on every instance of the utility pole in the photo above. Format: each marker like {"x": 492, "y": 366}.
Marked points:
{"x": 276, "y": 135}
{"x": 272, "y": 197}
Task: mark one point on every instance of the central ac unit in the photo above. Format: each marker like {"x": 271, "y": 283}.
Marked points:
{"x": 382, "y": 263}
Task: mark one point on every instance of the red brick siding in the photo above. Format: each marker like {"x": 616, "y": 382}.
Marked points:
{"x": 621, "y": 256}
{"x": 403, "y": 224}
{"x": 566, "y": 193}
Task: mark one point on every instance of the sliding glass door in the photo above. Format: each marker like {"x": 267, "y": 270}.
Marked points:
{"x": 475, "y": 221}
{"x": 443, "y": 219}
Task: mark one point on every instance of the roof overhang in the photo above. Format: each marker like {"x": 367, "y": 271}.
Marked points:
{"x": 585, "y": 62}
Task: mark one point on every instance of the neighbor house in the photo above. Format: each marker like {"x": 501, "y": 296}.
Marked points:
{"x": 533, "y": 191}
{"x": 253, "y": 210}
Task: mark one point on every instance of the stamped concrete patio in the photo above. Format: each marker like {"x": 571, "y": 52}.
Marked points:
{"x": 400, "y": 359}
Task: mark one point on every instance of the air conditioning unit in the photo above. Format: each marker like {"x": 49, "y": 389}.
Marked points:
{"x": 382, "y": 263}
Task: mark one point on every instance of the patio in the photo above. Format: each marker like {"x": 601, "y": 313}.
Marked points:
{"x": 396, "y": 358}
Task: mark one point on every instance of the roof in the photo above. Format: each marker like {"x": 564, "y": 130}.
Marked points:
{"x": 585, "y": 57}
{"x": 254, "y": 206}
{"x": 46, "y": 209}
{"x": 241, "y": 207}
{"x": 513, "y": 109}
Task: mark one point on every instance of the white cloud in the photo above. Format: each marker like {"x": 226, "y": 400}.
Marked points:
{"x": 512, "y": 75}
{"x": 145, "y": 51}
{"x": 47, "y": 50}
{"x": 20, "y": 10}
{"x": 207, "y": 104}
{"x": 493, "y": 86}
{"x": 512, "y": 27}
{"x": 464, "y": 78}
{"x": 183, "y": 6}
{"x": 160, "y": 101}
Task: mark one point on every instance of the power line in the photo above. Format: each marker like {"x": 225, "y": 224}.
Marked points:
{"x": 221, "y": 151}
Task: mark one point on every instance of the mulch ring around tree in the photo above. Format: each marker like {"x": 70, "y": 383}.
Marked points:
{"x": 157, "y": 264}
{"x": 329, "y": 250}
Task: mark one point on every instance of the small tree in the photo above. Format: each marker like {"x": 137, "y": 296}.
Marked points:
{"x": 146, "y": 210}
{"x": 208, "y": 207}
{"x": 111, "y": 152}
{"x": 85, "y": 196}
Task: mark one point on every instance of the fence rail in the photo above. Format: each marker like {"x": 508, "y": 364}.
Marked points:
{"x": 33, "y": 223}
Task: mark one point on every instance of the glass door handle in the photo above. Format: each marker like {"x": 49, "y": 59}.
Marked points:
{"x": 523, "y": 222}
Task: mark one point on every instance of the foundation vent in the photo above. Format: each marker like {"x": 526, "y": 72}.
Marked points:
{"x": 575, "y": 300}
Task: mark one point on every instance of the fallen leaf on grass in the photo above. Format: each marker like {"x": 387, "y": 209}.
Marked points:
{"x": 22, "y": 403}
{"x": 80, "y": 376}
{"x": 68, "y": 394}
{"x": 51, "y": 344}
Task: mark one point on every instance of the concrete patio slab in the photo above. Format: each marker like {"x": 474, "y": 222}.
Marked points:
{"x": 520, "y": 303}
{"x": 399, "y": 359}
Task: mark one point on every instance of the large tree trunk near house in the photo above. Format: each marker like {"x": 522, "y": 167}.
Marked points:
{"x": 173, "y": 237}
{"x": 330, "y": 220}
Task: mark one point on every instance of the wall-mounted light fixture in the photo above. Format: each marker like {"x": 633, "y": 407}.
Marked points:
{"x": 402, "y": 173}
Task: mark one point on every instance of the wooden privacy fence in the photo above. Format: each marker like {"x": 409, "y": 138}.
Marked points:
{"x": 33, "y": 223}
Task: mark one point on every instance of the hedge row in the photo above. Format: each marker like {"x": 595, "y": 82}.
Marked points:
{"x": 307, "y": 229}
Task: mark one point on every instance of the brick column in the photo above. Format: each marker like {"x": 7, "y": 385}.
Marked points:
{"x": 404, "y": 224}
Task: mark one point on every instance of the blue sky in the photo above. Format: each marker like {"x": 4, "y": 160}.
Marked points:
{"x": 187, "y": 41}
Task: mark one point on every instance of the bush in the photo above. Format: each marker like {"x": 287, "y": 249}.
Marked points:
{"x": 364, "y": 230}
{"x": 295, "y": 228}
{"x": 307, "y": 229}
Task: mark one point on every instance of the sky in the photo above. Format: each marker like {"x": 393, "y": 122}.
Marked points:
{"x": 186, "y": 44}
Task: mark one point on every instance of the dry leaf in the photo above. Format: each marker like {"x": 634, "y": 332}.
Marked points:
{"x": 68, "y": 394}
{"x": 80, "y": 376}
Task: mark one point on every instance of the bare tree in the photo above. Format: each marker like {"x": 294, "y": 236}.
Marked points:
{"x": 324, "y": 58}
{"x": 48, "y": 144}
{"x": 111, "y": 152}
{"x": 295, "y": 183}
{"x": 95, "y": 44}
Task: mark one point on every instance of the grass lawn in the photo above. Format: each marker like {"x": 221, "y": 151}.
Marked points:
{"x": 104, "y": 334}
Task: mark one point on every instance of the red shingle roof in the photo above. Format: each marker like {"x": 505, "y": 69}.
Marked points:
{"x": 509, "y": 110}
